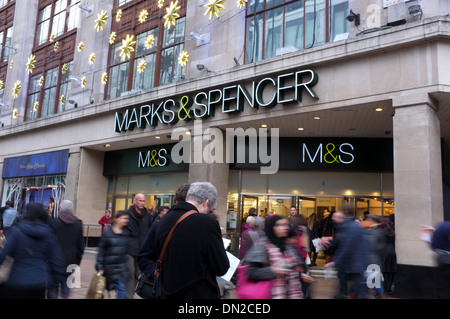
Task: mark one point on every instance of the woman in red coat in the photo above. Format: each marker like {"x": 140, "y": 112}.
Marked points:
{"x": 106, "y": 220}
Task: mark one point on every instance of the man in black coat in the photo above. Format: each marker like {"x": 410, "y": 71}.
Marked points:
{"x": 69, "y": 231}
{"x": 139, "y": 220}
{"x": 195, "y": 255}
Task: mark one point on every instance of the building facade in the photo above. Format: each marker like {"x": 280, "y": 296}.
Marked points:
{"x": 306, "y": 103}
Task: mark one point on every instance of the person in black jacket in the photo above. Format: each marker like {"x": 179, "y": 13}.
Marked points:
{"x": 147, "y": 256}
{"x": 112, "y": 255}
{"x": 69, "y": 231}
{"x": 195, "y": 255}
{"x": 139, "y": 221}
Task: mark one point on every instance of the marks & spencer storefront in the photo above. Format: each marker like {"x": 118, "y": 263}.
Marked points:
{"x": 314, "y": 174}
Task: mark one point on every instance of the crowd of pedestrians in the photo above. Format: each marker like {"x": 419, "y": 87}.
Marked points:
{"x": 140, "y": 246}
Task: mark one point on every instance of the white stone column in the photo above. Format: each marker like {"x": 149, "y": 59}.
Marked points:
{"x": 417, "y": 175}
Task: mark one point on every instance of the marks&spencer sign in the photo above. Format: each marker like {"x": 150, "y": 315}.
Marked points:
{"x": 338, "y": 154}
{"x": 267, "y": 92}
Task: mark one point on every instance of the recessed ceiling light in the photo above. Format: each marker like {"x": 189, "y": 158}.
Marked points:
{"x": 379, "y": 109}
{"x": 301, "y": 129}
{"x": 157, "y": 137}
{"x": 263, "y": 125}
{"x": 316, "y": 117}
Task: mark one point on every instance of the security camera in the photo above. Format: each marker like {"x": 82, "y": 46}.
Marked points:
{"x": 354, "y": 17}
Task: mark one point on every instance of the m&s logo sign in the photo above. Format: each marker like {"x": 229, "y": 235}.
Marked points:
{"x": 328, "y": 153}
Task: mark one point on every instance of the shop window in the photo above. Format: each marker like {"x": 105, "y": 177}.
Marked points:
{"x": 43, "y": 27}
{"x": 144, "y": 78}
{"x": 173, "y": 44}
{"x": 50, "y": 83}
{"x": 55, "y": 19}
{"x": 276, "y": 27}
{"x": 34, "y": 93}
{"x": 118, "y": 73}
{"x": 50, "y": 86}
{"x": 148, "y": 66}
{"x": 41, "y": 189}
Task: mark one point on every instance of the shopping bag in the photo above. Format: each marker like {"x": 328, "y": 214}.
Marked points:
{"x": 318, "y": 244}
{"x": 248, "y": 289}
{"x": 97, "y": 287}
{"x": 5, "y": 269}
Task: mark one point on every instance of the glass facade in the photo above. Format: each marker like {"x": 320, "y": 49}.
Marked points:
{"x": 276, "y": 27}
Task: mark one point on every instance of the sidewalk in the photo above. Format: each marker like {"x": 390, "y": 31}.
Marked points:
{"x": 321, "y": 289}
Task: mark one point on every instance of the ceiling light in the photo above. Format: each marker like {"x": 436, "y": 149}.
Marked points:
{"x": 157, "y": 137}
{"x": 263, "y": 125}
{"x": 379, "y": 109}
{"x": 316, "y": 117}
{"x": 188, "y": 132}
{"x": 107, "y": 145}
{"x": 301, "y": 129}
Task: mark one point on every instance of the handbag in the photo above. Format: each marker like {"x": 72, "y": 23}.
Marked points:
{"x": 158, "y": 270}
{"x": 146, "y": 288}
{"x": 97, "y": 287}
{"x": 249, "y": 289}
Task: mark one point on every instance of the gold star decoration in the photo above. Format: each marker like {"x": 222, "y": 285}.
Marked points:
{"x": 1, "y": 84}
{"x": 149, "y": 41}
{"x": 41, "y": 80}
{"x": 92, "y": 58}
{"x": 101, "y": 20}
{"x": 83, "y": 82}
{"x": 62, "y": 99}
{"x": 64, "y": 68}
{"x": 35, "y": 106}
{"x": 16, "y": 88}
{"x": 127, "y": 46}
{"x": 160, "y": 3}
{"x": 52, "y": 37}
{"x": 171, "y": 14}
{"x": 183, "y": 58}
{"x": 11, "y": 64}
{"x": 31, "y": 63}
{"x": 241, "y": 3}
{"x": 118, "y": 15}
{"x": 112, "y": 37}
{"x": 214, "y": 7}
{"x": 104, "y": 77}
{"x": 15, "y": 113}
{"x": 56, "y": 46}
{"x": 80, "y": 46}
{"x": 143, "y": 16}
{"x": 141, "y": 66}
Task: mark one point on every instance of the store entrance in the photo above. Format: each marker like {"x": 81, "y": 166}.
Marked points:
{"x": 307, "y": 205}
{"x": 152, "y": 201}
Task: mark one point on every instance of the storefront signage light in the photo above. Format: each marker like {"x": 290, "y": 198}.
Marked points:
{"x": 268, "y": 92}
{"x": 153, "y": 158}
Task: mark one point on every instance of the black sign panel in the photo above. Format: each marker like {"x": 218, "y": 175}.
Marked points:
{"x": 329, "y": 154}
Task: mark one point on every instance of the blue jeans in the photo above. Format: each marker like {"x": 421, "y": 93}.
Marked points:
{"x": 120, "y": 290}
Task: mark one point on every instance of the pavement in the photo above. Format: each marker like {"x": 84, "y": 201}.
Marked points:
{"x": 321, "y": 288}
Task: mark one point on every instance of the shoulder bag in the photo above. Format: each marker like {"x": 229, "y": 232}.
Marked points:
{"x": 150, "y": 288}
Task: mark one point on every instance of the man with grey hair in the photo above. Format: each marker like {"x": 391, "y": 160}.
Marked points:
{"x": 195, "y": 255}
{"x": 69, "y": 231}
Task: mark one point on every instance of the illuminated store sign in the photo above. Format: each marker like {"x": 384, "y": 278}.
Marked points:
{"x": 333, "y": 154}
{"x": 268, "y": 92}
{"x": 36, "y": 164}
{"x": 151, "y": 159}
